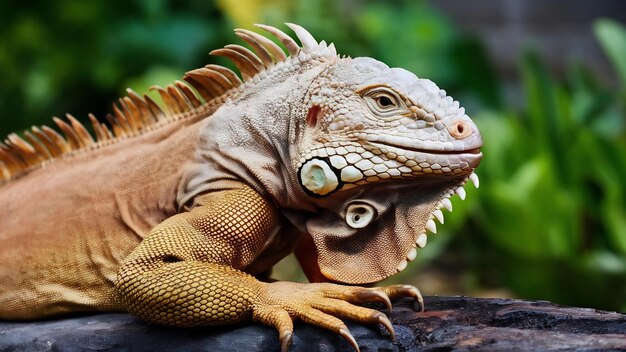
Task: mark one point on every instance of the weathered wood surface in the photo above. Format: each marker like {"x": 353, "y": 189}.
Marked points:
{"x": 448, "y": 324}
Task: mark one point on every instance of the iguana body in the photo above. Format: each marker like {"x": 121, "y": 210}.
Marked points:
{"x": 174, "y": 214}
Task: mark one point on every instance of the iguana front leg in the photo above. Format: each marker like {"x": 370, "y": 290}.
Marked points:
{"x": 187, "y": 272}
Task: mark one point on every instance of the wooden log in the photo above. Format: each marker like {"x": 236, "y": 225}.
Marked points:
{"x": 449, "y": 323}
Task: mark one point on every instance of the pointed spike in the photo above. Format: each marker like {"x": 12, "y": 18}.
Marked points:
{"x": 157, "y": 113}
{"x": 182, "y": 102}
{"x": 430, "y": 226}
{"x": 188, "y": 93}
{"x": 122, "y": 121}
{"x": 81, "y": 131}
{"x": 107, "y": 131}
{"x": 8, "y": 167}
{"x": 461, "y": 192}
{"x": 5, "y": 169}
{"x": 261, "y": 51}
{"x": 135, "y": 97}
{"x": 384, "y": 321}
{"x": 289, "y": 43}
{"x": 223, "y": 81}
{"x": 275, "y": 50}
{"x": 206, "y": 86}
{"x": 439, "y": 215}
{"x": 97, "y": 128}
{"x": 256, "y": 62}
{"x": 403, "y": 264}
{"x": 308, "y": 42}
{"x": 57, "y": 139}
{"x": 214, "y": 81}
{"x": 18, "y": 142}
{"x": 412, "y": 254}
{"x": 421, "y": 240}
{"x": 132, "y": 112}
{"x": 232, "y": 77}
{"x": 143, "y": 112}
{"x": 128, "y": 115}
{"x": 52, "y": 147}
{"x": 169, "y": 101}
{"x": 12, "y": 157}
{"x": 118, "y": 131}
{"x": 40, "y": 147}
{"x": 447, "y": 204}
{"x": 474, "y": 178}
{"x": 331, "y": 48}
{"x": 22, "y": 149}
{"x": 71, "y": 136}
{"x": 345, "y": 333}
{"x": 245, "y": 67}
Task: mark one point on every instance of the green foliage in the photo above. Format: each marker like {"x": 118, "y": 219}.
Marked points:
{"x": 612, "y": 37}
{"x": 549, "y": 221}
{"x": 554, "y": 194}
{"x": 71, "y": 56}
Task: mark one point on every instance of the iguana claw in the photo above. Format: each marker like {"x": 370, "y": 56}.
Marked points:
{"x": 398, "y": 291}
{"x": 285, "y": 341}
{"x": 373, "y": 295}
{"x": 384, "y": 321}
{"x": 346, "y": 334}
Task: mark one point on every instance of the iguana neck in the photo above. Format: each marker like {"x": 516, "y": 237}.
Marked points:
{"x": 251, "y": 139}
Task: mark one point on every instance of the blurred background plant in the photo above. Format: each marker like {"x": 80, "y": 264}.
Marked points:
{"x": 549, "y": 221}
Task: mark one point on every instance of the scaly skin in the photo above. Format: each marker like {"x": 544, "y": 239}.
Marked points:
{"x": 176, "y": 212}
{"x": 187, "y": 272}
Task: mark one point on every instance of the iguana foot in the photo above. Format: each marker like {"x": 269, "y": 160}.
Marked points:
{"x": 323, "y": 304}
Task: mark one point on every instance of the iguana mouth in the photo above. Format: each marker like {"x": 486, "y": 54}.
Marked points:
{"x": 470, "y": 156}
{"x": 428, "y": 151}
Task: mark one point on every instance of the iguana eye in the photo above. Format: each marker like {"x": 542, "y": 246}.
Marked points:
{"x": 384, "y": 102}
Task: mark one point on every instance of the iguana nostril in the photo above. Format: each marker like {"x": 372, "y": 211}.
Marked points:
{"x": 460, "y": 130}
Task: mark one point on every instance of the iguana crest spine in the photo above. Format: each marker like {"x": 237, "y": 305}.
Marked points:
{"x": 134, "y": 115}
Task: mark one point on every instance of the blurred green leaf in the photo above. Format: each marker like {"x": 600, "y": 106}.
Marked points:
{"x": 612, "y": 37}
{"x": 475, "y": 72}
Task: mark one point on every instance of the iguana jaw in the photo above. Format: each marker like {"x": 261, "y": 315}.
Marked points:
{"x": 440, "y": 162}
{"x": 326, "y": 170}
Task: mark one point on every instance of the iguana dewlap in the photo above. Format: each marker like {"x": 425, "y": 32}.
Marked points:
{"x": 172, "y": 213}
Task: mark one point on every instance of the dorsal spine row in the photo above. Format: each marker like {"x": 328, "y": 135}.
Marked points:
{"x": 134, "y": 114}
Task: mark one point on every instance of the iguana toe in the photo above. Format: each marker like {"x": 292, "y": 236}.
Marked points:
{"x": 371, "y": 295}
{"x": 399, "y": 291}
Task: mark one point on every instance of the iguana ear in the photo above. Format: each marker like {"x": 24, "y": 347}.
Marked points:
{"x": 367, "y": 254}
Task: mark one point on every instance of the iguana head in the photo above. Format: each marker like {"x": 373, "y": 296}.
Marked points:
{"x": 357, "y": 155}
{"x": 381, "y": 152}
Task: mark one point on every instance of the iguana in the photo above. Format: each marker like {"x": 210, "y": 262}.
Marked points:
{"x": 177, "y": 212}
